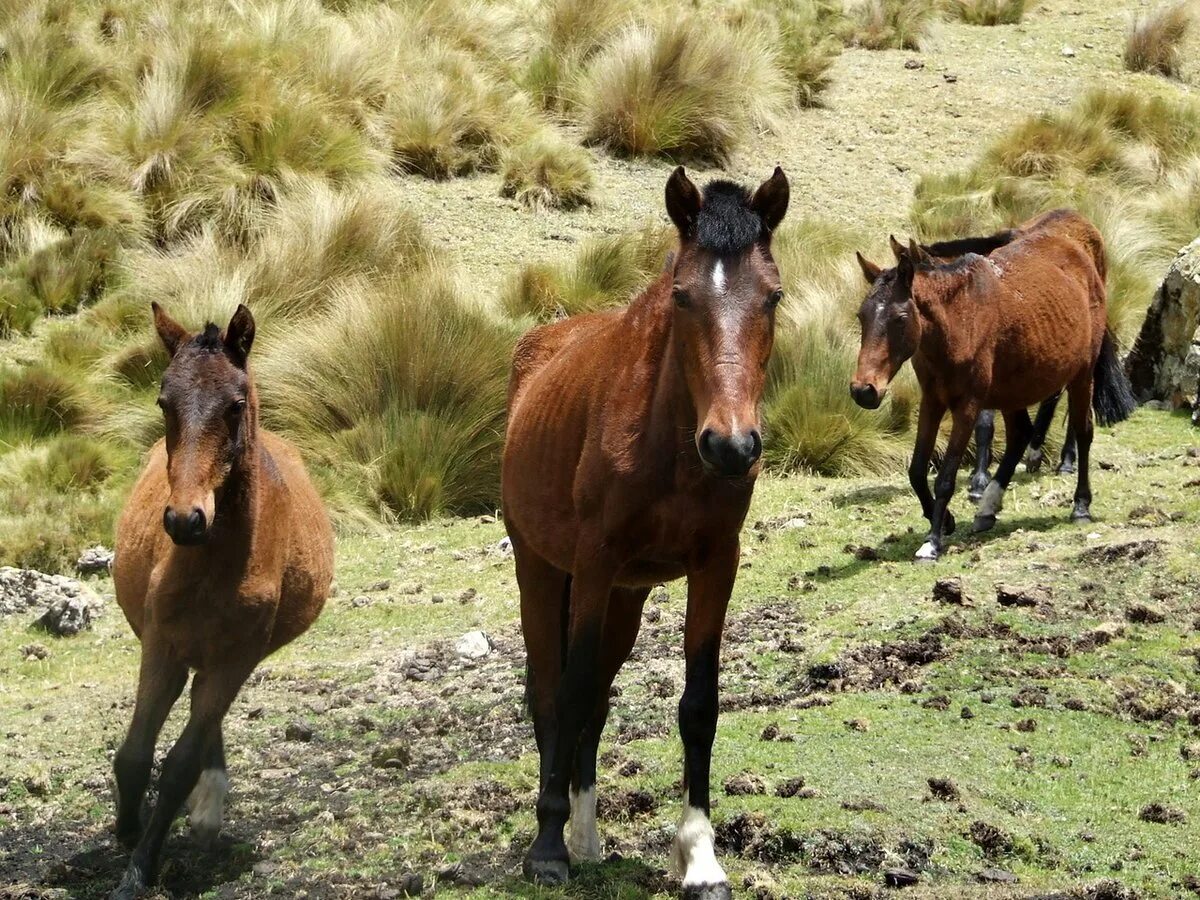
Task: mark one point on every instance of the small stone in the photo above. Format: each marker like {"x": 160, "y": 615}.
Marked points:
{"x": 298, "y": 731}
{"x": 473, "y": 645}
{"x": 900, "y": 877}
{"x": 997, "y": 876}
{"x": 950, "y": 78}
{"x": 913, "y": 64}
{"x": 379, "y": 586}
{"x": 360, "y": 601}
{"x": 437, "y": 598}
{"x": 1068, "y": 51}
{"x": 94, "y": 560}
{"x": 66, "y": 617}
{"x": 504, "y": 546}
{"x": 411, "y": 884}
{"x": 391, "y": 756}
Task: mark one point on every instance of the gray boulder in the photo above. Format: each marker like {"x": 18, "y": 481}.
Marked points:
{"x": 1164, "y": 364}
{"x": 94, "y": 561}
{"x": 64, "y": 605}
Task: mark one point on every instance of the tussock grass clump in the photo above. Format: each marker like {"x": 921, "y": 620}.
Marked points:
{"x": 567, "y": 34}
{"x": 805, "y": 34}
{"x": 39, "y": 401}
{"x": 605, "y": 273}
{"x": 399, "y": 388}
{"x": 987, "y": 12}
{"x": 688, "y": 89}
{"x": 1122, "y": 157}
{"x": 547, "y": 171}
{"x": 890, "y": 24}
{"x": 1154, "y": 40}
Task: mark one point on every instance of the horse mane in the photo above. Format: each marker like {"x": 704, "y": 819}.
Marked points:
{"x": 981, "y": 245}
{"x": 726, "y": 224}
{"x": 209, "y": 339}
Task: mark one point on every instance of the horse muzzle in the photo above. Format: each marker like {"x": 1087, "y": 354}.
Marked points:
{"x": 866, "y": 395}
{"x": 729, "y": 456}
{"x": 186, "y": 528}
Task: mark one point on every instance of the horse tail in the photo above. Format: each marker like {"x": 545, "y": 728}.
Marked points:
{"x": 1112, "y": 394}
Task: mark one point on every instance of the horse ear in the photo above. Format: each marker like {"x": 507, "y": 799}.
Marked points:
{"x": 898, "y": 249}
{"x": 771, "y": 199}
{"x": 170, "y": 332}
{"x": 239, "y": 336}
{"x": 918, "y": 253}
{"x": 870, "y": 271}
{"x": 683, "y": 202}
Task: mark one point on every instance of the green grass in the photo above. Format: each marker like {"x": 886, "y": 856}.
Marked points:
{"x": 547, "y": 172}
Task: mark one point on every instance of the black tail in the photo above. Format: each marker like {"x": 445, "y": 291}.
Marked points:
{"x": 981, "y": 245}
{"x": 1112, "y": 395}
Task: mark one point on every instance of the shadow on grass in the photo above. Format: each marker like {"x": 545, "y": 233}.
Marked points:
{"x": 43, "y": 864}
{"x": 620, "y": 879}
{"x": 883, "y": 493}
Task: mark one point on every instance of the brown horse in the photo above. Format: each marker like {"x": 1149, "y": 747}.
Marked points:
{"x": 632, "y": 449}
{"x": 224, "y": 554}
{"x": 1003, "y": 331}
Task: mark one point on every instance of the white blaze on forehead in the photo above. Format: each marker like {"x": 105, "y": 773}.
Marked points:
{"x": 718, "y": 276}
{"x": 693, "y": 858}
{"x": 584, "y": 841}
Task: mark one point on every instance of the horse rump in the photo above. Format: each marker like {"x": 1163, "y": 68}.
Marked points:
{"x": 1112, "y": 394}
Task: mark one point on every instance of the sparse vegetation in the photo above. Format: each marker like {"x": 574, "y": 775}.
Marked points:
{"x": 1154, "y": 41}
{"x": 686, "y": 89}
{"x": 987, "y": 12}
{"x": 890, "y": 24}
{"x": 546, "y": 171}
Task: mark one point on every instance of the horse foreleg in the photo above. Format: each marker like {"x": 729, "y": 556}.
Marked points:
{"x": 212, "y": 694}
{"x": 1079, "y": 395}
{"x": 693, "y": 855}
{"x": 160, "y": 681}
{"x": 928, "y": 420}
{"x": 574, "y": 704}
{"x": 206, "y": 804}
{"x": 1069, "y": 458}
{"x": 985, "y": 430}
{"x": 1041, "y": 427}
{"x": 1017, "y": 429}
{"x": 941, "y": 522}
{"x": 620, "y": 632}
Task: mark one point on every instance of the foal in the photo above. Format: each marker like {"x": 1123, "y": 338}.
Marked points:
{"x": 224, "y": 554}
{"x": 632, "y": 449}
{"x": 1003, "y": 331}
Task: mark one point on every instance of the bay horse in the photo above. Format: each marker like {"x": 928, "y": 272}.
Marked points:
{"x": 632, "y": 448}
{"x": 1002, "y": 331}
{"x": 224, "y": 554}
{"x": 985, "y": 427}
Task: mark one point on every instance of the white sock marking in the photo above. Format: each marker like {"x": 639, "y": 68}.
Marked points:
{"x": 927, "y": 551}
{"x": 583, "y": 844}
{"x": 693, "y": 857}
{"x": 718, "y": 277}
{"x": 207, "y": 802}
{"x": 993, "y": 499}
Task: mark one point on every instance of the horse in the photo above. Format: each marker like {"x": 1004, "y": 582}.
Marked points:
{"x": 632, "y": 447}
{"x": 985, "y": 426}
{"x": 1002, "y": 331}
{"x": 224, "y": 554}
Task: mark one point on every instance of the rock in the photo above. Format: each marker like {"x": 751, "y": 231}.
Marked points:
{"x": 504, "y": 546}
{"x": 1013, "y": 595}
{"x": 1068, "y": 52}
{"x": 473, "y": 645}
{"x": 24, "y": 589}
{"x": 380, "y": 586}
{"x": 94, "y": 560}
{"x": 66, "y": 617}
{"x": 392, "y": 756}
{"x": 900, "y": 877}
{"x": 913, "y": 64}
{"x": 360, "y": 601}
{"x": 950, "y": 78}
{"x": 298, "y": 731}
{"x": 1164, "y": 363}
{"x": 411, "y": 884}
{"x": 950, "y": 590}
{"x": 997, "y": 876}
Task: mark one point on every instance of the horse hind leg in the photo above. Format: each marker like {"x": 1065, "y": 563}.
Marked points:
{"x": 1041, "y": 427}
{"x": 1079, "y": 396}
{"x": 1017, "y": 428}
{"x": 206, "y": 803}
{"x": 620, "y": 632}
{"x": 985, "y": 430}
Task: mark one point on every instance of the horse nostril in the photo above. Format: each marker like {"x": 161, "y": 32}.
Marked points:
{"x": 755, "y": 446}
{"x": 196, "y": 523}
{"x": 169, "y": 520}
{"x": 865, "y": 395}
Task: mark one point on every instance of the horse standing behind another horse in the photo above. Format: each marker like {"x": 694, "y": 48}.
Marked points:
{"x": 224, "y": 554}
{"x": 632, "y": 449}
{"x": 1004, "y": 331}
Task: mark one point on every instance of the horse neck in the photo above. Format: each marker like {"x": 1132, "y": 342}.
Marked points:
{"x": 939, "y": 314}
{"x": 671, "y": 412}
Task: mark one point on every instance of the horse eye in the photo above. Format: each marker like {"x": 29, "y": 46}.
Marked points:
{"x": 680, "y": 296}
{"x": 237, "y": 407}
{"x": 774, "y": 298}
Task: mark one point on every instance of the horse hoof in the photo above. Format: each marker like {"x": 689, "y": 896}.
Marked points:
{"x": 1066, "y": 469}
{"x": 547, "y": 872}
{"x": 720, "y": 891}
{"x": 983, "y": 523}
{"x": 927, "y": 554}
{"x": 133, "y": 883}
{"x": 1081, "y": 516}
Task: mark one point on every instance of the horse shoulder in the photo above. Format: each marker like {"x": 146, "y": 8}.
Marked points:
{"x": 140, "y": 538}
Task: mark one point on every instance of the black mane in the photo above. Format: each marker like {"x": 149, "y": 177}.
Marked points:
{"x": 209, "y": 339}
{"x": 727, "y": 225}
